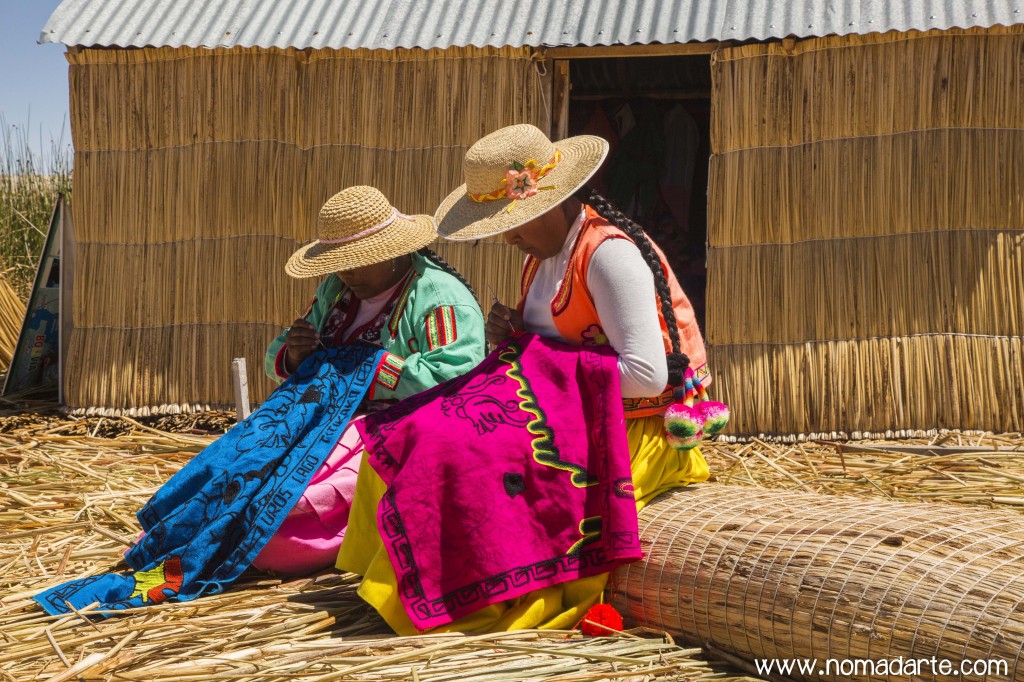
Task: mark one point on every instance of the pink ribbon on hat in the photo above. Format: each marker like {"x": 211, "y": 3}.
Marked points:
{"x": 368, "y": 231}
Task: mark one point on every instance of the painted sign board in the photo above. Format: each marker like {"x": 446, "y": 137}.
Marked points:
{"x": 36, "y": 357}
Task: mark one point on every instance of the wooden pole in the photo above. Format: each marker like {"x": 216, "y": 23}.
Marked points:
{"x": 608, "y": 51}
{"x": 241, "y": 384}
{"x": 560, "y": 102}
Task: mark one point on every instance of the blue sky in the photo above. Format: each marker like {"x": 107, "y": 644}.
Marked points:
{"x": 33, "y": 78}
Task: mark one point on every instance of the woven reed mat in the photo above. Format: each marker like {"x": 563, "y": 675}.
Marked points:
{"x": 780, "y": 574}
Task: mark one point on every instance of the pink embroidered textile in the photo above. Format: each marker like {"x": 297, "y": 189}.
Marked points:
{"x": 508, "y": 479}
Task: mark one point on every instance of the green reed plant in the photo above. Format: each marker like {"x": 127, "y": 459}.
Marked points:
{"x": 30, "y": 181}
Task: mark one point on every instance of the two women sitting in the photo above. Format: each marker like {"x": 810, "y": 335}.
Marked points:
{"x": 591, "y": 277}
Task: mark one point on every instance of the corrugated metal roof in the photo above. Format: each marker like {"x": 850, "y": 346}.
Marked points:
{"x": 445, "y": 23}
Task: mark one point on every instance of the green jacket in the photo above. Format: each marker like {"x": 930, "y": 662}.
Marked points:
{"x": 435, "y": 332}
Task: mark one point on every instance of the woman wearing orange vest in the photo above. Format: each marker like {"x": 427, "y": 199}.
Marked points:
{"x": 591, "y": 277}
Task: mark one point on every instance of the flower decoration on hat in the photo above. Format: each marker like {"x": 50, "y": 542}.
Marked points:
{"x": 521, "y": 181}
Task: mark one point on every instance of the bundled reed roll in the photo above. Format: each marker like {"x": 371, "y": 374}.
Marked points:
{"x": 768, "y": 574}
{"x": 12, "y": 314}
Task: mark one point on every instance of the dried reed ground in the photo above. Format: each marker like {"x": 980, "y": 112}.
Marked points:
{"x": 69, "y": 490}
{"x": 68, "y": 493}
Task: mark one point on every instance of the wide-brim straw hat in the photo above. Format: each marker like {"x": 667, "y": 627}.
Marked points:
{"x": 491, "y": 201}
{"x": 357, "y": 227}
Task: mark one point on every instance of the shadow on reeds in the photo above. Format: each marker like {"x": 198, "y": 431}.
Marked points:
{"x": 330, "y": 592}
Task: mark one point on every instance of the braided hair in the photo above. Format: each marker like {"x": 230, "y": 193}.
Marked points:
{"x": 677, "y": 360}
{"x": 446, "y": 266}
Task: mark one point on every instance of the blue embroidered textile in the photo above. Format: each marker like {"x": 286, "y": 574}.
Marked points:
{"x": 205, "y": 525}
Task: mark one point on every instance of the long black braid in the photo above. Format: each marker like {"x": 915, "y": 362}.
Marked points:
{"x": 677, "y": 360}
{"x": 446, "y": 266}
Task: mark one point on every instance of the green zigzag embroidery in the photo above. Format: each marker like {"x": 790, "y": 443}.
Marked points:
{"x": 590, "y": 529}
{"x": 544, "y": 450}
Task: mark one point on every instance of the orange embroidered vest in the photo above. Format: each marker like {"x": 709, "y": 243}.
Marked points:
{"x": 576, "y": 318}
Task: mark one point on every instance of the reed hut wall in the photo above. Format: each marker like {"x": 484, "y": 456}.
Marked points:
{"x": 199, "y": 171}
{"x": 866, "y": 232}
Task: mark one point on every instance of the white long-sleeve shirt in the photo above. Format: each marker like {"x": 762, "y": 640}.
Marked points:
{"x": 622, "y": 288}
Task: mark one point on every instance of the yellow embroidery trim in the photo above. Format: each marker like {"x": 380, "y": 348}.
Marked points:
{"x": 544, "y": 449}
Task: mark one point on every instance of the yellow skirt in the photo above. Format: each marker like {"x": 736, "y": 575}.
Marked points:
{"x": 656, "y": 467}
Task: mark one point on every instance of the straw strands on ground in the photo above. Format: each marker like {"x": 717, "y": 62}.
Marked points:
{"x": 69, "y": 489}
{"x": 311, "y": 629}
{"x": 992, "y": 475}
{"x": 870, "y": 251}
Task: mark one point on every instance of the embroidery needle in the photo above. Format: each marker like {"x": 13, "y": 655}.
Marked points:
{"x": 303, "y": 316}
{"x": 494, "y": 300}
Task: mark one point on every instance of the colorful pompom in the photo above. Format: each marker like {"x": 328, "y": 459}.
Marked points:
{"x": 688, "y": 443}
{"x": 682, "y": 421}
{"x": 693, "y": 415}
{"x": 601, "y": 620}
{"x": 713, "y": 415}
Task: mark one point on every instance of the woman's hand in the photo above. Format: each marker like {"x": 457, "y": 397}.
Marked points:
{"x": 302, "y": 340}
{"x": 502, "y": 323}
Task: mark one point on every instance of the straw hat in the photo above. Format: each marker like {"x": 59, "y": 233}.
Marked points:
{"x": 514, "y": 175}
{"x": 357, "y": 227}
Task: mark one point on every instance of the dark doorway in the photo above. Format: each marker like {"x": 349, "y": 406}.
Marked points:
{"x": 656, "y": 113}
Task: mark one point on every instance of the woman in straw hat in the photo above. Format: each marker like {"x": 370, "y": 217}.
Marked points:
{"x": 383, "y": 287}
{"x": 592, "y": 276}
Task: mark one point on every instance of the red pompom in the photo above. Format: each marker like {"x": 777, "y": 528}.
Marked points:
{"x": 601, "y": 615}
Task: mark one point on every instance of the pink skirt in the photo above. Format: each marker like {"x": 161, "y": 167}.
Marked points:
{"x": 311, "y": 535}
